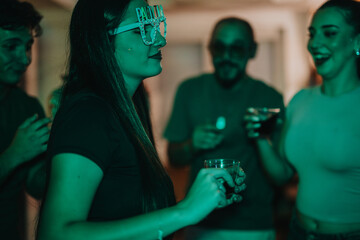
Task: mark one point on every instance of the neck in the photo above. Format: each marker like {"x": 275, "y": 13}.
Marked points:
{"x": 132, "y": 85}
{"x": 341, "y": 84}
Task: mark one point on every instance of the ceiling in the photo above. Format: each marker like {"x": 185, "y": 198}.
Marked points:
{"x": 301, "y": 4}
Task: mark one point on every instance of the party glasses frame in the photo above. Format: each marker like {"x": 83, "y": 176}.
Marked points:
{"x": 153, "y": 15}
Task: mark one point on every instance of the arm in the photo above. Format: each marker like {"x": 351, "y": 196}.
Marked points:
{"x": 9, "y": 161}
{"x": 29, "y": 141}
{"x": 274, "y": 160}
{"x": 73, "y": 182}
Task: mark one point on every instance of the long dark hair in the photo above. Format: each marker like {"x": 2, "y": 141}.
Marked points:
{"x": 350, "y": 9}
{"x": 92, "y": 65}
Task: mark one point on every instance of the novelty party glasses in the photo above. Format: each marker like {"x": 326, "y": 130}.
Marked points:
{"x": 151, "y": 21}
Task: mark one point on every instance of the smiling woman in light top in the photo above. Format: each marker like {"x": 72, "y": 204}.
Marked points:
{"x": 321, "y": 136}
{"x": 105, "y": 177}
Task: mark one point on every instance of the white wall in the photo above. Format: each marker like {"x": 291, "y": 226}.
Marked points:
{"x": 282, "y": 59}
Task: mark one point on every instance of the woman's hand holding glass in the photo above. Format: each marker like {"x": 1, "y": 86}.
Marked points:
{"x": 208, "y": 192}
{"x": 260, "y": 122}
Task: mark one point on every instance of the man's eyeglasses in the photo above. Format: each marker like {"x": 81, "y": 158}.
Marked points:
{"x": 218, "y": 49}
{"x": 151, "y": 21}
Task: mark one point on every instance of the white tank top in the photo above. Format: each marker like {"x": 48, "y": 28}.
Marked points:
{"x": 323, "y": 144}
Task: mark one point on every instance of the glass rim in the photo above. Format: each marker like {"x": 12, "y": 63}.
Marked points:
{"x": 265, "y": 109}
{"x": 221, "y": 161}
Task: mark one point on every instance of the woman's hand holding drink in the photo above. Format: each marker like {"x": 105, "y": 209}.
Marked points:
{"x": 209, "y": 192}
{"x": 260, "y": 122}
{"x": 232, "y": 166}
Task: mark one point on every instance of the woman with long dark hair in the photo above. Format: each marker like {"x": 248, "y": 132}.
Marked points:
{"x": 321, "y": 135}
{"x": 105, "y": 177}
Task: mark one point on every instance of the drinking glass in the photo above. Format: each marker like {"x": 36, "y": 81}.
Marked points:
{"x": 231, "y": 165}
{"x": 268, "y": 119}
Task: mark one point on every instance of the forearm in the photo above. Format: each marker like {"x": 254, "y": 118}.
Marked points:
{"x": 147, "y": 226}
{"x": 9, "y": 161}
{"x": 275, "y": 165}
{"x": 181, "y": 154}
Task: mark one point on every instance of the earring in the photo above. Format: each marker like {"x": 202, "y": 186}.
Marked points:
{"x": 357, "y": 52}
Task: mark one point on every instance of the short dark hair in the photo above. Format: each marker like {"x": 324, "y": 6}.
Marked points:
{"x": 234, "y": 21}
{"x": 15, "y": 15}
{"x": 239, "y": 22}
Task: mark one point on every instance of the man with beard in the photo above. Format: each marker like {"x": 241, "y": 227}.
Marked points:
{"x": 207, "y": 123}
{"x": 23, "y": 128}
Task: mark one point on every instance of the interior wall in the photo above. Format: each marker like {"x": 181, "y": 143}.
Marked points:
{"x": 281, "y": 60}
{"x": 53, "y": 51}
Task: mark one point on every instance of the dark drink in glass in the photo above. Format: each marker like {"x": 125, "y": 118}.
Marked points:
{"x": 231, "y": 165}
{"x": 267, "y": 118}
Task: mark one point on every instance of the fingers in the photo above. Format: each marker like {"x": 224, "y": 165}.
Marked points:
{"x": 207, "y": 137}
{"x": 241, "y": 172}
{"x": 239, "y": 180}
{"x": 44, "y": 131}
{"x": 235, "y": 198}
{"x": 252, "y": 129}
{"x": 240, "y": 188}
{"x": 223, "y": 202}
{"x": 44, "y": 139}
{"x": 39, "y": 124}
{"x": 215, "y": 188}
{"x": 28, "y": 121}
{"x": 222, "y": 175}
{"x": 220, "y": 183}
{"x": 43, "y": 148}
{"x": 33, "y": 132}
{"x": 208, "y": 142}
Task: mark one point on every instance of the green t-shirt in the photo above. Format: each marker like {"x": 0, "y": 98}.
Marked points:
{"x": 201, "y": 100}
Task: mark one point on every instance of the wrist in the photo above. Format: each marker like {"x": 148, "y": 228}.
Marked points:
{"x": 14, "y": 156}
{"x": 10, "y": 160}
{"x": 184, "y": 214}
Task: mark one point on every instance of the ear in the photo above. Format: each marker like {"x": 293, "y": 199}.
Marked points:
{"x": 253, "y": 49}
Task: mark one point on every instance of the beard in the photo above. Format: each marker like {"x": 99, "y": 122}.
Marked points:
{"x": 228, "y": 73}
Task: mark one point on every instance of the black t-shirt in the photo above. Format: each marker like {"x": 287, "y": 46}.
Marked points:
{"x": 86, "y": 125}
{"x": 15, "y": 107}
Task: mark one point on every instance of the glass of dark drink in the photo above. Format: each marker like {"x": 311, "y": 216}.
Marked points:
{"x": 267, "y": 118}
{"x": 231, "y": 165}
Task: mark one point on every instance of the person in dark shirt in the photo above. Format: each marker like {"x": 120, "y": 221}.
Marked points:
{"x": 207, "y": 122}
{"x": 23, "y": 130}
{"x": 105, "y": 178}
